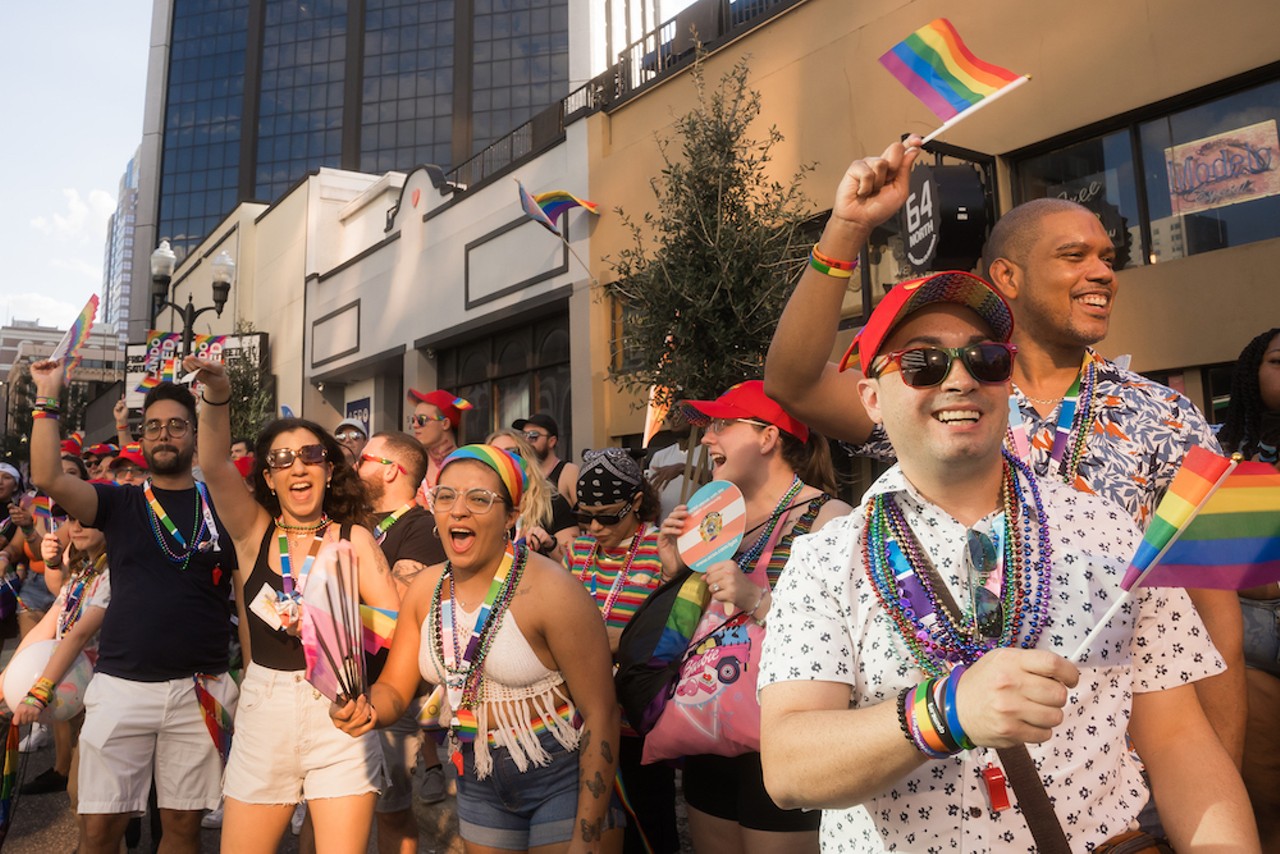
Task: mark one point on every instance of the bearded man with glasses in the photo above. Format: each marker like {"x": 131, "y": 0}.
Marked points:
{"x": 165, "y": 639}
{"x": 914, "y": 684}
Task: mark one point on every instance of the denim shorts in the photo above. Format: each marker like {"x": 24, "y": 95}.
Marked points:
{"x": 1262, "y": 634}
{"x": 516, "y": 810}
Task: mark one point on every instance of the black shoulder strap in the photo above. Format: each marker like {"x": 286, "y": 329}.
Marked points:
{"x": 344, "y": 532}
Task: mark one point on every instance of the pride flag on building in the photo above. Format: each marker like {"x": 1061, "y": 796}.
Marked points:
{"x": 936, "y": 66}
{"x": 1217, "y": 527}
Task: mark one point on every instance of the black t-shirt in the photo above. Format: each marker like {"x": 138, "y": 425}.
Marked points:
{"x": 165, "y": 622}
{"x": 410, "y": 538}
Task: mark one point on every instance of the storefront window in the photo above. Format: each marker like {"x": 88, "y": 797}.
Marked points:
{"x": 1097, "y": 173}
{"x": 1213, "y": 174}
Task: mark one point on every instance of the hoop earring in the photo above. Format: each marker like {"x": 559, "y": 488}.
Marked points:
{"x": 435, "y": 531}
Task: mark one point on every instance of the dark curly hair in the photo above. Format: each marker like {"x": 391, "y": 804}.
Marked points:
{"x": 1242, "y": 427}
{"x": 170, "y": 391}
{"x": 344, "y": 499}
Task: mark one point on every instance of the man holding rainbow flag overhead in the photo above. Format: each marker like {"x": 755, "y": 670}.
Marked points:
{"x": 914, "y": 683}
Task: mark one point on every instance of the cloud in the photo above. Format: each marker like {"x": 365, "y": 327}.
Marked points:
{"x": 49, "y": 311}
{"x": 90, "y": 271}
{"x": 82, "y": 218}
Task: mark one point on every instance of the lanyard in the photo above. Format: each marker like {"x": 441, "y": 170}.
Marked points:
{"x": 463, "y": 661}
{"x": 286, "y": 564}
{"x": 205, "y": 525}
{"x": 380, "y": 532}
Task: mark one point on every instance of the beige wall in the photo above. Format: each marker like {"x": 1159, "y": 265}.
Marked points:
{"x": 821, "y": 84}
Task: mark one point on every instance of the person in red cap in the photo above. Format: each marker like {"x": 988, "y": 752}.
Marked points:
{"x": 916, "y": 667}
{"x": 785, "y": 473}
{"x": 1053, "y": 261}
{"x": 131, "y": 466}
{"x": 436, "y": 417}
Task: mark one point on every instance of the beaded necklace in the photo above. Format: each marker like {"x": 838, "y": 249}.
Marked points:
{"x": 1076, "y": 416}
{"x": 286, "y": 563}
{"x": 619, "y": 580}
{"x": 203, "y": 526}
{"x": 307, "y": 528}
{"x": 465, "y": 668}
{"x": 380, "y": 532}
{"x": 73, "y": 606}
{"x": 747, "y": 560}
{"x": 936, "y": 638}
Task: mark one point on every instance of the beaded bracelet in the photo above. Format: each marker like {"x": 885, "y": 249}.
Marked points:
{"x": 832, "y": 267}
{"x": 41, "y": 693}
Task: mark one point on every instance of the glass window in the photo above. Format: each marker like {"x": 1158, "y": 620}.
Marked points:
{"x": 1213, "y": 174}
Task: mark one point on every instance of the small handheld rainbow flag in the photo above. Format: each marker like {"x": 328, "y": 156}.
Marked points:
{"x": 216, "y": 717}
{"x": 936, "y": 66}
{"x": 68, "y": 348}
{"x": 42, "y": 507}
{"x": 167, "y": 373}
{"x": 10, "y": 775}
{"x": 379, "y": 626}
{"x": 555, "y": 203}
{"x": 534, "y": 211}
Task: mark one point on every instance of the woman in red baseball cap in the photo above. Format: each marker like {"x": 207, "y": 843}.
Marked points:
{"x": 785, "y": 473}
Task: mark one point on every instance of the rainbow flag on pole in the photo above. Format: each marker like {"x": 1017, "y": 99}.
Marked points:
{"x": 1217, "y": 527}
{"x": 535, "y": 212}
{"x": 936, "y": 66}
{"x": 379, "y": 625}
{"x": 555, "y": 203}
{"x": 69, "y": 347}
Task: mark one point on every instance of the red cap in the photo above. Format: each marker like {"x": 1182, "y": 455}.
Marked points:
{"x": 963, "y": 289}
{"x": 132, "y": 453}
{"x": 103, "y": 449}
{"x": 745, "y": 400}
{"x": 71, "y": 446}
{"x": 450, "y": 406}
{"x": 244, "y": 465}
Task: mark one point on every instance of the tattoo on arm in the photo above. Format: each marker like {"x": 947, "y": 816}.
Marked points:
{"x": 595, "y": 786}
{"x": 592, "y": 831}
{"x": 584, "y": 741}
{"x": 606, "y": 751}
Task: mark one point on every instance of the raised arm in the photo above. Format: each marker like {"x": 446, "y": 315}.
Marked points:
{"x": 76, "y": 496}
{"x": 798, "y": 372}
{"x": 121, "y": 412}
{"x": 241, "y": 517}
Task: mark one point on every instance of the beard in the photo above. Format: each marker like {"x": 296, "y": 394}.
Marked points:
{"x": 176, "y": 461}
{"x": 373, "y": 491}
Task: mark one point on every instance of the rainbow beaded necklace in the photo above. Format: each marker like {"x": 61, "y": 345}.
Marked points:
{"x": 464, "y": 668}
{"x": 203, "y": 526}
{"x": 73, "y": 605}
{"x": 619, "y": 581}
{"x": 936, "y": 638}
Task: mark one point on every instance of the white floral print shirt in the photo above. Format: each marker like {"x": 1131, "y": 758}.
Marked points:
{"x": 825, "y": 624}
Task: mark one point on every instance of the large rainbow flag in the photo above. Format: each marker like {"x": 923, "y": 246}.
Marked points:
{"x": 1217, "y": 527}
{"x": 534, "y": 211}
{"x": 936, "y": 66}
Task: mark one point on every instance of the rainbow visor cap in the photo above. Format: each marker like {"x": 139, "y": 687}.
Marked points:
{"x": 906, "y": 298}
{"x": 745, "y": 400}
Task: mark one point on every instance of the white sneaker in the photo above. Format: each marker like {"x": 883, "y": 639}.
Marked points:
{"x": 212, "y": 819}
{"x": 299, "y": 813}
{"x": 38, "y": 737}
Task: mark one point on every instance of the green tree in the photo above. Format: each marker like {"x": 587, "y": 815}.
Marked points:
{"x": 253, "y": 398}
{"x": 704, "y": 283}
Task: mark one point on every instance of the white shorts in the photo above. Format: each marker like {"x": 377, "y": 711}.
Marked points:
{"x": 287, "y": 748}
{"x": 400, "y": 745}
{"x": 133, "y": 730}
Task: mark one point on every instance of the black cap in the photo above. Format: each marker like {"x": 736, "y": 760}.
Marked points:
{"x": 543, "y": 420}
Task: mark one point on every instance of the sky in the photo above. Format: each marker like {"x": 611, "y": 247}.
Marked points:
{"x": 73, "y": 78}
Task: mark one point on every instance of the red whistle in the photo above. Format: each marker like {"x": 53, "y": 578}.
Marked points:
{"x": 997, "y": 791}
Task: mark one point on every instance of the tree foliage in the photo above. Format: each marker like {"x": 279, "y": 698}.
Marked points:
{"x": 704, "y": 282}
{"x": 253, "y": 400}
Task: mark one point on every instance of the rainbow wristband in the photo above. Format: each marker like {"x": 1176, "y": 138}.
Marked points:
{"x": 958, "y": 735}
{"x": 923, "y": 724}
{"x": 41, "y": 693}
{"x": 45, "y": 413}
{"x": 830, "y": 266}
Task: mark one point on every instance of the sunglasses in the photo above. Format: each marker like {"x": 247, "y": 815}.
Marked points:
{"x": 386, "y": 462}
{"x": 923, "y": 367}
{"x": 477, "y": 500}
{"x": 175, "y": 427}
{"x": 418, "y": 420}
{"x": 605, "y": 519}
{"x": 282, "y": 458}
{"x": 349, "y": 436}
{"x": 988, "y": 610}
{"x": 534, "y": 435}
{"x": 719, "y": 425}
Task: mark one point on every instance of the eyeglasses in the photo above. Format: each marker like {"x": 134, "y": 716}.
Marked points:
{"x": 534, "y": 435}
{"x": 419, "y": 420}
{"x": 349, "y": 436}
{"x": 175, "y": 427}
{"x": 988, "y": 610}
{"x": 282, "y": 458}
{"x": 605, "y": 519}
{"x": 923, "y": 367}
{"x": 386, "y": 462}
{"x": 719, "y": 425}
{"x": 477, "y": 499}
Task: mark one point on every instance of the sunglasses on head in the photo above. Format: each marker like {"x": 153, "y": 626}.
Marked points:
{"x": 606, "y": 519}
{"x": 349, "y": 436}
{"x": 923, "y": 367}
{"x": 420, "y": 420}
{"x": 282, "y": 458}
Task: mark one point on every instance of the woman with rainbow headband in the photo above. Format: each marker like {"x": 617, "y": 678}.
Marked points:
{"x": 524, "y": 657}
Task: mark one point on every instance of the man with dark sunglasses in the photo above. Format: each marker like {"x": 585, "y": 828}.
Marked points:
{"x": 1123, "y": 436}
{"x": 543, "y": 434}
{"x": 916, "y": 655}
{"x": 434, "y": 422}
{"x": 164, "y": 640}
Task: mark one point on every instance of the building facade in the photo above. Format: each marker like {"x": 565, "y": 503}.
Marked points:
{"x": 117, "y": 260}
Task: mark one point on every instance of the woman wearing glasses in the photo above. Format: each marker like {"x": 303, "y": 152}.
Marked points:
{"x": 284, "y": 747}
{"x": 786, "y": 477}
{"x": 616, "y": 559}
{"x": 525, "y": 662}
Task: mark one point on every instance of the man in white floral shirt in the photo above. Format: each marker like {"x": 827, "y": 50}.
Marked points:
{"x": 883, "y": 698}
{"x": 1122, "y": 436}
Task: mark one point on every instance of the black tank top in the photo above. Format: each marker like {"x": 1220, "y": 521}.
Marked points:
{"x": 270, "y": 648}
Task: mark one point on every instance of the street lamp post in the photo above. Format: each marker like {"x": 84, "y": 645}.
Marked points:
{"x": 163, "y": 262}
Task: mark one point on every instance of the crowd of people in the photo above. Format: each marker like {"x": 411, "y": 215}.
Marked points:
{"x": 916, "y": 672}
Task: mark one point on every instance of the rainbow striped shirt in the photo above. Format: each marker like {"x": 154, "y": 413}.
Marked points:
{"x": 598, "y": 570}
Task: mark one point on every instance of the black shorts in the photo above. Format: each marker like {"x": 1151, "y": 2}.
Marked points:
{"x": 732, "y": 788}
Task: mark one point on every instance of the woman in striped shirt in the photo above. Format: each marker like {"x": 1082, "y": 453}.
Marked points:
{"x": 617, "y": 560}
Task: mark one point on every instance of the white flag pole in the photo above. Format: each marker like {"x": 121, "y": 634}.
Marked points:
{"x": 964, "y": 114}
